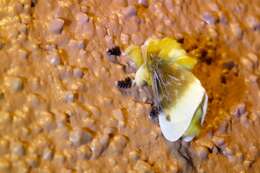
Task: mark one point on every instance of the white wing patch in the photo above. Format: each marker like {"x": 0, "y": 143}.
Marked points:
{"x": 182, "y": 113}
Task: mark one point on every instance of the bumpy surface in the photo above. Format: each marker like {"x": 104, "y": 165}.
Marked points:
{"x": 60, "y": 110}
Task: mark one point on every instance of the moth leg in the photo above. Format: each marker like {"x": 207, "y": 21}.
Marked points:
{"x": 184, "y": 153}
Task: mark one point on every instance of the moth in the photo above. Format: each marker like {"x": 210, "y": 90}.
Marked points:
{"x": 179, "y": 98}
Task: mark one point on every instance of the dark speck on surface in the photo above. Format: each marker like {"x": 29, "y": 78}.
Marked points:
{"x": 33, "y": 3}
{"x": 223, "y": 79}
{"x": 124, "y": 84}
{"x": 114, "y": 51}
{"x": 229, "y": 65}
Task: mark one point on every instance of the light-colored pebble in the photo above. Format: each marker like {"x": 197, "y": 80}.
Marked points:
{"x": 46, "y": 120}
{"x": 244, "y": 121}
{"x": 82, "y": 18}
{"x": 239, "y": 110}
{"x": 227, "y": 151}
{"x": 209, "y": 18}
{"x": 130, "y": 11}
{"x": 33, "y": 100}
{"x": 69, "y": 97}
{"x": 77, "y": 44}
{"x": 17, "y": 149}
{"x": 252, "y": 22}
{"x": 54, "y": 59}
{"x": 80, "y": 136}
{"x": 98, "y": 145}
{"x": 143, "y": 167}
{"x": 47, "y": 154}
{"x": 56, "y": 25}
{"x": 15, "y": 84}
{"x": 144, "y": 3}
{"x": 78, "y": 73}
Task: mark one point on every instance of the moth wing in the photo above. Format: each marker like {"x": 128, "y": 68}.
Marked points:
{"x": 180, "y": 94}
{"x": 134, "y": 52}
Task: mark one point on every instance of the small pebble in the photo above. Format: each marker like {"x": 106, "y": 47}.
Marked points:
{"x": 78, "y": 73}
{"x": 77, "y": 44}
{"x": 80, "y": 136}
{"x": 143, "y": 3}
{"x": 244, "y": 121}
{"x": 218, "y": 141}
{"x": 18, "y": 149}
{"x": 46, "y": 121}
{"x": 98, "y": 145}
{"x": 227, "y": 152}
{"x": 55, "y": 60}
{"x": 251, "y": 22}
{"x": 130, "y": 11}
{"x": 239, "y": 110}
{"x": 209, "y": 19}
{"x": 47, "y": 154}
{"x": 69, "y": 97}
{"x": 82, "y": 18}
{"x": 56, "y": 26}
{"x": 15, "y": 84}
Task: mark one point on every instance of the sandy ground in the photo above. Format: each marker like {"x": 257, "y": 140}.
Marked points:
{"x": 60, "y": 110}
